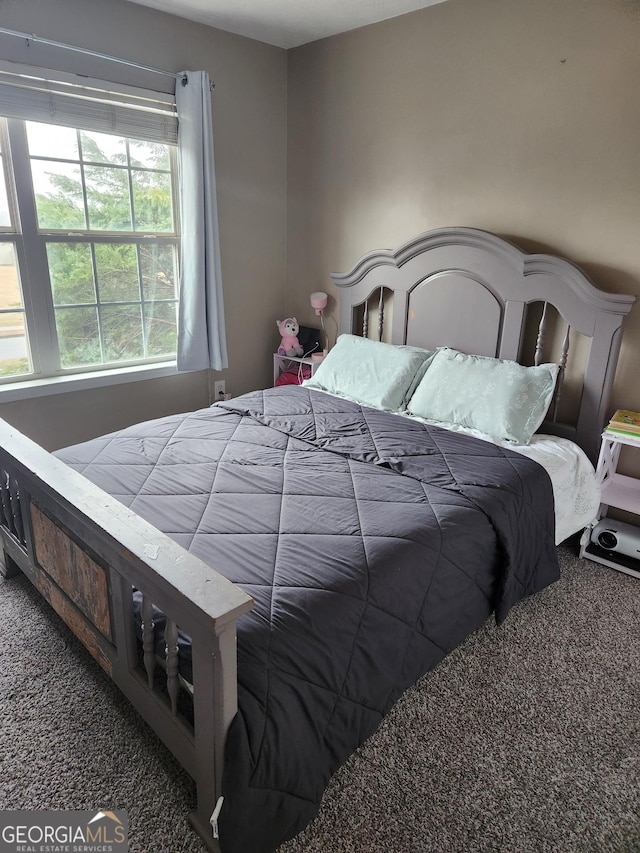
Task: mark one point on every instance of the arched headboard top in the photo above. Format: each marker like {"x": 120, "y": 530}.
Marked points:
{"x": 505, "y": 267}
{"x": 465, "y": 284}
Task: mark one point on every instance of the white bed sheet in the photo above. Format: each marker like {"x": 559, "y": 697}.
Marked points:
{"x": 575, "y": 487}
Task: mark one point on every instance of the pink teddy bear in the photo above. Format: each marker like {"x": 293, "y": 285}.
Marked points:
{"x": 289, "y": 345}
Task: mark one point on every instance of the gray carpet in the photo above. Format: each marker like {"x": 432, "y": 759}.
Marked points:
{"x": 524, "y": 740}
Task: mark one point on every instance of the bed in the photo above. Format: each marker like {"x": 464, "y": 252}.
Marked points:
{"x": 300, "y": 555}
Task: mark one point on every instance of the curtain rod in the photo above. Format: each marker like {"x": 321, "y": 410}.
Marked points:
{"x": 29, "y": 37}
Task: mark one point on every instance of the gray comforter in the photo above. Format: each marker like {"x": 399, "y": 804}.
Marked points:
{"x": 372, "y": 545}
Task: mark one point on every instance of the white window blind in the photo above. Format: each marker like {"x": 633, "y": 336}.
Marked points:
{"x": 64, "y": 99}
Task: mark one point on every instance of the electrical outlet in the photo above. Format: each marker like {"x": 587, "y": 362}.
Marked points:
{"x": 219, "y": 389}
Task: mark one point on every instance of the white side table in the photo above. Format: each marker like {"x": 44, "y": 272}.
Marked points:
{"x": 284, "y": 362}
{"x": 619, "y": 491}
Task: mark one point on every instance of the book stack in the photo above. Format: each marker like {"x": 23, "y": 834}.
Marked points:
{"x": 625, "y": 423}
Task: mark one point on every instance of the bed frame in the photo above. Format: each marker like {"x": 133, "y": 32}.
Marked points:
{"x": 84, "y": 551}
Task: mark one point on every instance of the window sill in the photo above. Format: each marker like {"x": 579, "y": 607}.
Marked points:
{"x": 81, "y": 381}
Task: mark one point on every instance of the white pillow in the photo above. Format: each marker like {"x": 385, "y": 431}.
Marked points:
{"x": 500, "y": 398}
{"x": 370, "y": 372}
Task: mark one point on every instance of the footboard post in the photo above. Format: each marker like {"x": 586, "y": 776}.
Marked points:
{"x": 215, "y": 705}
{"x": 8, "y": 567}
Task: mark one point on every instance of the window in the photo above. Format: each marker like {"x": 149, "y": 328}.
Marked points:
{"x": 88, "y": 250}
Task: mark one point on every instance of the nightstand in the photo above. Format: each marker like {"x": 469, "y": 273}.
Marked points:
{"x": 621, "y": 492}
{"x": 284, "y": 362}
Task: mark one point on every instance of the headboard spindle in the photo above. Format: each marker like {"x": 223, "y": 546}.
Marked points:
{"x": 542, "y": 331}
{"x": 562, "y": 365}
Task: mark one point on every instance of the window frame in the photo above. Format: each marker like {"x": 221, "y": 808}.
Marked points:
{"x": 30, "y": 243}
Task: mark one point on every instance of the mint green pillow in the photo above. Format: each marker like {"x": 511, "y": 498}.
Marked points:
{"x": 500, "y": 398}
{"x": 376, "y": 374}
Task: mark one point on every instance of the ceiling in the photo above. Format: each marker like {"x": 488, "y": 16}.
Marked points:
{"x": 287, "y": 23}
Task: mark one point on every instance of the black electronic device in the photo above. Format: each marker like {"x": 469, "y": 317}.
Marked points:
{"x": 617, "y": 537}
{"x": 310, "y": 340}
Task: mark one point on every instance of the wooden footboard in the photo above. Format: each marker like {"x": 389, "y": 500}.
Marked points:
{"x": 84, "y": 551}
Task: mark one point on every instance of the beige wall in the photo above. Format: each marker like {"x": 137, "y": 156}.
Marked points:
{"x": 518, "y": 117}
{"x": 521, "y": 117}
{"x": 249, "y": 113}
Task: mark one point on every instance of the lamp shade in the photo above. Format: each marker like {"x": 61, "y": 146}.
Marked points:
{"x": 319, "y": 301}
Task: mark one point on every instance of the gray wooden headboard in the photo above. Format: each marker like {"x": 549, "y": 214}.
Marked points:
{"x": 471, "y": 290}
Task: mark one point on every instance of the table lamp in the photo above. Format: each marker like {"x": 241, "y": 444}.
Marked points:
{"x": 319, "y": 303}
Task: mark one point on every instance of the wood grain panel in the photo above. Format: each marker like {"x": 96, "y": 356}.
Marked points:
{"x": 83, "y": 631}
{"x": 75, "y": 572}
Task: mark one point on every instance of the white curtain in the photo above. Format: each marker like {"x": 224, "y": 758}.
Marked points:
{"x": 201, "y": 336}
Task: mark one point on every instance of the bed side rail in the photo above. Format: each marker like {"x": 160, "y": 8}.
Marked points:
{"x": 84, "y": 551}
